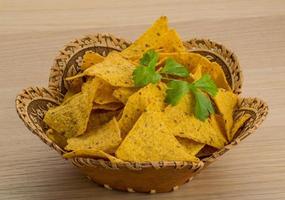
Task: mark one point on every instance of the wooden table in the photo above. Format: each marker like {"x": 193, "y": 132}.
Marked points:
{"x": 31, "y": 32}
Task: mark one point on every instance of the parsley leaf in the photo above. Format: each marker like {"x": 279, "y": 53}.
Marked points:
{"x": 149, "y": 59}
{"x": 145, "y": 73}
{"x": 206, "y": 84}
{"x": 203, "y": 105}
{"x": 174, "y": 68}
{"x": 176, "y": 90}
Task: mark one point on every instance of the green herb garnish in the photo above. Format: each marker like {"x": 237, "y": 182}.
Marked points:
{"x": 146, "y": 73}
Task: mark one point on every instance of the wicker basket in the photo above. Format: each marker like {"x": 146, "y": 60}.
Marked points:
{"x": 33, "y": 102}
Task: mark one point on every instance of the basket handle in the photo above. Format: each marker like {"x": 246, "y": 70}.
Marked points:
{"x": 31, "y": 105}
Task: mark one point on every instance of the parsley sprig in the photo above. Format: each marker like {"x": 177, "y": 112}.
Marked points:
{"x": 146, "y": 73}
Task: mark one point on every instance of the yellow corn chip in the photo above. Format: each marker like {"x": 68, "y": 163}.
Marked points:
{"x": 147, "y": 41}
{"x": 170, "y": 42}
{"x": 104, "y": 92}
{"x": 183, "y": 123}
{"x": 150, "y": 97}
{"x": 197, "y": 74}
{"x": 191, "y": 146}
{"x": 115, "y": 70}
{"x": 92, "y": 153}
{"x": 108, "y": 106}
{"x": 123, "y": 94}
{"x": 106, "y": 138}
{"x": 151, "y": 140}
{"x": 68, "y": 95}
{"x": 238, "y": 124}
{"x": 91, "y": 58}
{"x": 97, "y": 119}
{"x": 57, "y": 138}
{"x": 194, "y": 60}
{"x": 72, "y": 116}
{"x": 226, "y": 101}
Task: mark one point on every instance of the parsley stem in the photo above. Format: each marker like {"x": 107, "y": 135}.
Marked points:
{"x": 168, "y": 79}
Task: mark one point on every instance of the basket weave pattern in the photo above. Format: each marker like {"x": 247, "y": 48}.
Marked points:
{"x": 151, "y": 177}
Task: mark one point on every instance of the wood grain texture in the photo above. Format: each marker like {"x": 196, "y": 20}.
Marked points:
{"x": 31, "y": 32}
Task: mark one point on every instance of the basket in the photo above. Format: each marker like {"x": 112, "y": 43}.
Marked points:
{"x": 148, "y": 177}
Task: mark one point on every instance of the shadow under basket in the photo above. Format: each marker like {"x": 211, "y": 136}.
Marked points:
{"x": 150, "y": 177}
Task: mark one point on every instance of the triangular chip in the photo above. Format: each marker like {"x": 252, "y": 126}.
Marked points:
{"x": 92, "y": 153}
{"x": 194, "y": 60}
{"x": 190, "y": 146}
{"x": 147, "y": 41}
{"x": 72, "y": 116}
{"x": 115, "y": 70}
{"x": 123, "y": 94}
{"x": 91, "y": 58}
{"x": 57, "y": 138}
{"x": 150, "y": 97}
{"x": 104, "y": 92}
{"x": 106, "y": 138}
{"x": 170, "y": 42}
{"x": 226, "y": 102}
{"x": 183, "y": 123}
{"x": 238, "y": 124}
{"x": 150, "y": 140}
{"x": 97, "y": 119}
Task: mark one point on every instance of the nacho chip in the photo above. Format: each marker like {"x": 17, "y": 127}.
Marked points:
{"x": 194, "y": 60}
{"x": 197, "y": 74}
{"x": 57, "y": 138}
{"x": 123, "y": 94}
{"x": 238, "y": 124}
{"x": 147, "y": 41}
{"x": 108, "y": 106}
{"x": 92, "y": 153}
{"x": 104, "y": 92}
{"x": 183, "y": 123}
{"x": 190, "y": 146}
{"x": 151, "y": 140}
{"x": 115, "y": 70}
{"x": 106, "y": 138}
{"x": 226, "y": 101}
{"x": 97, "y": 119}
{"x": 170, "y": 42}
{"x": 91, "y": 58}
{"x": 68, "y": 95}
{"x": 150, "y": 97}
{"x": 72, "y": 116}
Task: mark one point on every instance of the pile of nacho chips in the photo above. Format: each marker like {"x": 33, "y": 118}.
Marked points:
{"x": 104, "y": 115}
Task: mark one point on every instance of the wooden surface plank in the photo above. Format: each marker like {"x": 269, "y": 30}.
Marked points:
{"x": 31, "y": 32}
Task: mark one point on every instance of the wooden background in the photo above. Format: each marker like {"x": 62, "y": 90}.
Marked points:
{"x": 32, "y": 31}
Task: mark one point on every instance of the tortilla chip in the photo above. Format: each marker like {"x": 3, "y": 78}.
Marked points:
{"x": 57, "y": 138}
{"x": 68, "y": 95}
{"x": 123, "y": 94}
{"x": 97, "y": 119}
{"x": 197, "y": 74}
{"x": 91, "y": 58}
{"x": 106, "y": 138}
{"x": 115, "y": 70}
{"x": 108, "y": 106}
{"x": 183, "y": 123}
{"x": 191, "y": 146}
{"x": 226, "y": 102}
{"x": 170, "y": 42}
{"x": 75, "y": 85}
{"x": 104, "y": 92}
{"x": 151, "y": 140}
{"x": 147, "y": 41}
{"x": 72, "y": 116}
{"x": 92, "y": 153}
{"x": 150, "y": 97}
{"x": 238, "y": 124}
{"x": 194, "y": 60}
